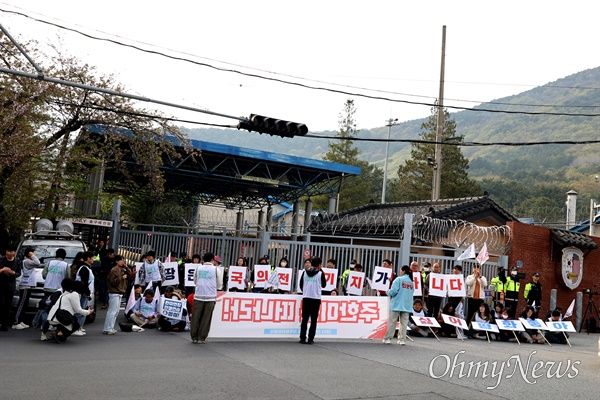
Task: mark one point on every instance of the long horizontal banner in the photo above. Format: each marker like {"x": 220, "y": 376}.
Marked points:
{"x": 253, "y": 315}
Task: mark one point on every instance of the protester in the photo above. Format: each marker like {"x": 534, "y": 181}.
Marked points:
{"x": 483, "y": 315}
{"x": 116, "y": 285}
{"x": 9, "y": 272}
{"x": 77, "y": 261}
{"x": 417, "y": 312}
{"x": 476, "y": 283}
{"x": 401, "y": 300}
{"x": 344, "y": 277}
{"x": 145, "y": 310}
{"x": 530, "y": 335}
{"x": 28, "y": 281}
{"x": 457, "y": 270}
{"x": 84, "y": 274}
{"x": 447, "y": 329}
{"x": 434, "y": 303}
{"x": 334, "y": 292}
{"x": 170, "y": 324}
{"x": 137, "y": 294}
{"x": 312, "y": 283}
{"x": 208, "y": 279}
{"x": 107, "y": 258}
{"x": 556, "y": 337}
{"x": 505, "y": 336}
{"x": 152, "y": 271}
{"x": 357, "y": 268}
{"x": 69, "y": 301}
{"x": 54, "y": 272}
{"x": 497, "y": 313}
{"x": 390, "y": 265}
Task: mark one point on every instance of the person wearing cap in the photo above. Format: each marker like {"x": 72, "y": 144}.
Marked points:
{"x": 498, "y": 283}
{"x": 511, "y": 294}
{"x": 533, "y": 291}
{"x": 457, "y": 270}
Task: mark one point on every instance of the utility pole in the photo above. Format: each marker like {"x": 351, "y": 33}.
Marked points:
{"x": 437, "y": 169}
{"x": 390, "y": 123}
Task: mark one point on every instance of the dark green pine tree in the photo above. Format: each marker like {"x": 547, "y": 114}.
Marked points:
{"x": 415, "y": 177}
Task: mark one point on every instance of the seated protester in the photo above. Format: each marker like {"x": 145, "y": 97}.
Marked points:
{"x": 556, "y": 337}
{"x": 484, "y": 316}
{"x": 69, "y": 301}
{"x": 145, "y": 311}
{"x": 530, "y": 335}
{"x": 169, "y": 324}
{"x": 505, "y": 336}
{"x": 560, "y": 315}
{"x": 415, "y": 330}
{"x": 498, "y": 307}
{"x": 446, "y": 329}
{"x": 137, "y": 293}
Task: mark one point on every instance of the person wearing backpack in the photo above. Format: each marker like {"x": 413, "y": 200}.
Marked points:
{"x": 68, "y": 302}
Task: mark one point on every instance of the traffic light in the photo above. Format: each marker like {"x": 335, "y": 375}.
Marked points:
{"x": 272, "y": 126}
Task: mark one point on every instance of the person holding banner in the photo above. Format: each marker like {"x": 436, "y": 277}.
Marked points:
{"x": 415, "y": 330}
{"x": 331, "y": 264}
{"x": 530, "y": 335}
{"x": 484, "y": 316}
{"x": 208, "y": 279}
{"x": 556, "y": 337}
{"x": 434, "y": 303}
{"x": 312, "y": 283}
{"x": 401, "y": 305}
{"x": 476, "y": 283}
{"x": 447, "y": 329}
{"x": 166, "y": 324}
{"x": 457, "y": 270}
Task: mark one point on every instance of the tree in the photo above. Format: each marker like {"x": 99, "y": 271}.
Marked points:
{"x": 358, "y": 190}
{"x": 45, "y": 156}
{"x": 415, "y": 177}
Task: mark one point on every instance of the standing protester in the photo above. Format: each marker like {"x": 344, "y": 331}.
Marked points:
{"x": 312, "y": 283}
{"x": 476, "y": 283}
{"x": 330, "y": 264}
{"x": 511, "y": 296}
{"x": 106, "y": 264}
{"x": 533, "y": 292}
{"x": 208, "y": 279}
{"x": 116, "y": 285}
{"x": 434, "y": 303}
{"x": 152, "y": 270}
{"x": 84, "y": 274}
{"x": 54, "y": 272}
{"x": 388, "y": 264}
{"x": 414, "y": 273}
{"x": 344, "y": 278}
{"x": 401, "y": 305}
{"x": 28, "y": 281}
{"x": 9, "y": 272}
{"x": 457, "y": 270}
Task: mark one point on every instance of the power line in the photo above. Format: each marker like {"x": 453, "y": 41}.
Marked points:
{"x": 252, "y": 75}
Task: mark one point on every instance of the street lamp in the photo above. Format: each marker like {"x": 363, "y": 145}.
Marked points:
{"x": 390, "y": 123}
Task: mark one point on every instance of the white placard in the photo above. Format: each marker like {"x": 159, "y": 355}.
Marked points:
{"x": 381, "y": 278}
{"x": 299, "y": 276}
{"x": 171, "y": 274}
{"x": 356, "y": 281}
{"x": 262, "y": 273}
{"x": 455, "y": 285}
{"x": 510, "y": 325}
{"x": 484, "y": 326}
{"x": 533, "y": 324}
{"x": 285, "y": 278}
{"x": 425, "y": 321}
{"x": 138, "y": 265}
{"x": 454, "y": 321}
{"x": 437, "y": 284}
{"x": 560, "y": 326}
{"x": 172, "y": 308}
{"x": 417, "y": 284}
{"x": 190, "y": 269}
{"x": 237, "y": 276}
{"x": 331, "y": 276}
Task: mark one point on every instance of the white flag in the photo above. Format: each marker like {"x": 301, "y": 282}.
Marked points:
{"x": 468, "y": 253}
{"x": 483, "y": 255}
{"x": 570, "y": 309}
{"x": 533, "y": 305}
{"x": 130, "y": 301}
{"x": 273, "y": 280}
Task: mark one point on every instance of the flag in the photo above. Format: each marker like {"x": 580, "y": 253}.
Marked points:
{"x": 570, "y": 309}
{"x": 483, "y": 255}
{"x": 168, "y": 259}
{"x": 130, "y": 301}
{"x": 274, "y": 280}
{"x": 157, "y": 297}
{"x": 533, "y": 305}
{"x": 468, "y": 253}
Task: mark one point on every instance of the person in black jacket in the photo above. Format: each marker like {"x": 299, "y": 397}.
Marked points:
{"x": 312, "y": 283}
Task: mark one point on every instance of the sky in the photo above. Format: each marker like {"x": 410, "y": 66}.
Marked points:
{"x": 388, "y": 49}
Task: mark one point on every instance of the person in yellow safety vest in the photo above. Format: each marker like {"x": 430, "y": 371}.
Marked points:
{"x": 345, "y": 274}
{"x": 498, "y": 284}
{"x": 512, "y": 287}
{"x": 533, "y": 292}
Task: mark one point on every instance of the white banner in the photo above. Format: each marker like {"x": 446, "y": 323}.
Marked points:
{"x": 190, "y": 269}
{"x": 425, "y": 321}
{"x": 299, "y": 275}
{"x": 136, "y": 281}
{"x": 285, "y": 278}
{"x": 257, "y": 315}
{"x": 533, "y": 324}
{"x": 171, "y": 274}
{"x": 237, "y": 275}
{"x": 262, "y": 273}
{"x": 483, "y": 326}
{"x": 356, "y": 281}
{"x": 437, "y": 284}
{"x": 331, "y": 276}
{"x": 510, "y": 325}
{"x": 172, "y": 308}
{"x": 455, "y": 285}
{"x": 381, "y": 278}
{"x": 417, "y": 289}
{"x": 560, "y": 326}
{"x": 455, "y": 321}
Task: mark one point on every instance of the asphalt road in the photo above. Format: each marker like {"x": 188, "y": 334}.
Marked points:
{"x": 152, "y": 364}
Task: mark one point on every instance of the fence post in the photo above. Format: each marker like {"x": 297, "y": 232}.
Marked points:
{"x": 405, "y": 249}
{"x": 264, "y": 243}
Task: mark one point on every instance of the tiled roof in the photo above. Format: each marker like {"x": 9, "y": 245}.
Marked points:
{"x": 388, "y": 219}
{"x": 569, "y": 238}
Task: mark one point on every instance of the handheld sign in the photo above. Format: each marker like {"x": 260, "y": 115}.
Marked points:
{"x": 356, "y": 281}
{"x": 381, "y": 278}
{"x": 455, "y": 285}
{"x": 237, "y": 275}
{"x": 331, "y": 278}
{"x": 262, "y": 273}
{"x": 533, "y": 324}
{"x": 510, "y": 325}
{"x": 428, "y": 322}
{"x": 171, "y": 274}
{"x": 285, "y": 278}
{"x": 484, "y": 326}
{"x": 417, "y": 289}
{"x": 560, "y": 326}
{"x": 138, "y": 265}
{"x": 172, "y": 308}
{"x": 437, "y": 284}
{"x": 190, "y": 269}
{"x": 455, "y": 321}
{"x": 299, "y": 275}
